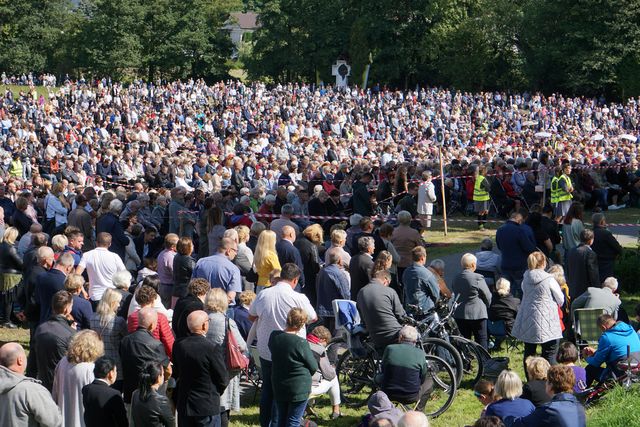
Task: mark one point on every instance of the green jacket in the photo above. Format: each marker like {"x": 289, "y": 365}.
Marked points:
{"x": 292, "y": 367}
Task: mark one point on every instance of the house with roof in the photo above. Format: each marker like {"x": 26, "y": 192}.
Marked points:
{"x": 240, "y": 25}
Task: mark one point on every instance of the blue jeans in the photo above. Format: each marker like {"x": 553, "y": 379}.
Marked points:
{"x": 209, "y": 421}
{"x": 289, "y": 414}
{"x": 266, "y": 394}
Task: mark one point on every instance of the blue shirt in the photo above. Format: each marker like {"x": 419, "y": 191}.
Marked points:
{"x": 81, "y": 312}
{"x": 219, "y": 271}
{"x": 510, "y": 407}
{"x": 612, "y": 345}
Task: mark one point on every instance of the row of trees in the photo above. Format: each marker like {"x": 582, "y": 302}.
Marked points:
{"x": 586, "y": 46}
{"x": 167, "y": 38}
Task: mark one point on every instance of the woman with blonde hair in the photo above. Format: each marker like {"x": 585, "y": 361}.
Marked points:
{"x": 538, "y": 320}
{"x": 58, "y": 243}
{"x": 110, "y": 328}
{"x": 535, "y": 389}
{"x": 508, "y": 390}
{"x": 311, "y": 253}
{"x": 244, "y": 258}
{"x": 11, "y": 268}
{"x": 384, "y": 261}
{"x": 216, "y": 305}
{"x": 73, "y": 372}
{"x": 265, "y": 258}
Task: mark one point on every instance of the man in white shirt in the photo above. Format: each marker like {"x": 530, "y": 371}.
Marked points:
{"x": 270, "y": 309}
{"x": 101, "y": 264}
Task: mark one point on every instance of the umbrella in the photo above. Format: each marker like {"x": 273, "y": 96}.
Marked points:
{"x": 597, "y": 137}
{"x": 628, "y": 137}
{"x": 542, "y": 135}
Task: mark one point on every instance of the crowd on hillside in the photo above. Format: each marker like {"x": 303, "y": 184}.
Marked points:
{"x": 154, "y": 234}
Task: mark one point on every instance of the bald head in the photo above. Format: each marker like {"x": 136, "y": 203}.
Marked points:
{"x": 148, "y": 318}
{"x": 413, "y": 419}
{"x": 288, "y": 233}
{"x": 197, "y": 322}
{"x": 13, "y": 357}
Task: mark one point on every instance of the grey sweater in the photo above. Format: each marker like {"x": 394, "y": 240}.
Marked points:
{"x": 24, "y": 402}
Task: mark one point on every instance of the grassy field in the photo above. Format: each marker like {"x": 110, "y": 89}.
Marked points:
{"x": 17, "y": 89}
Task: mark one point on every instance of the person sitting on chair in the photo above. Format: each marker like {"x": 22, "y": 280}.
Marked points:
{"x": 612, "y": 348}
{"x": 325, "y": 379}
{"x": 404, "y": 370}
{"x": 504, "y": 306}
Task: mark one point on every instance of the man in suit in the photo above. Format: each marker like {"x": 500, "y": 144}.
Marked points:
{"x": 51, "y": 339}
{"x": 361, "y": 200}
{"x": 582, "y": 266}
{"x": 420, "y": 285}
{"x": 605, "y": 245}
{"x": 201, "y": 374}
{"x": 140, "y": 348}
{"x": 50, "y": 282}
{"x": 515, "y": 246}
{"x": 361, "y": 264}
{"x": 367, "y": 227}
{"x": 604, "y": 297}
{"x": 288, "y": 253}
{"x": 103, "y": 405}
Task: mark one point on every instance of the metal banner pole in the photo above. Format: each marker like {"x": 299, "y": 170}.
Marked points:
{"x": 444, "y": 201}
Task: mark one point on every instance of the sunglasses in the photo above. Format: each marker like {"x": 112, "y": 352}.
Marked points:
{"x": 477, "y": 394}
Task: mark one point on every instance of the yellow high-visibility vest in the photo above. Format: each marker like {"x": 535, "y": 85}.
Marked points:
{"x": 479, "y": 193}
{"x": 562, "y": 195}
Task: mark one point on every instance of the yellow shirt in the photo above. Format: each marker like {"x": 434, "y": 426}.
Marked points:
{"x": 269, "y": 263}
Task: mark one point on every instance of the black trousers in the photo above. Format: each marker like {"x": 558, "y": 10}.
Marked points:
{"x": 477, "y": 328}
{"x": 549, "y": 350}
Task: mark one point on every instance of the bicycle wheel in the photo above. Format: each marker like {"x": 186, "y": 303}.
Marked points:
{"x": 447, "y": 352}
{"x": 473, "y": 357}
{"x": 443, "y": 390}
{"x": 356, "y": 377}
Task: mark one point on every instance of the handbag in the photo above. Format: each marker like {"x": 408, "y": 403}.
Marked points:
{"x": 236, "y": 361}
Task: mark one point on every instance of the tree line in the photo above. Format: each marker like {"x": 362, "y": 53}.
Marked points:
{"x": 148, "y": 38}
{"x": 589, "y": 47}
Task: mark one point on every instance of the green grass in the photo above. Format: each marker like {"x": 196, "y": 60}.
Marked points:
{"x": 16, "y": 89}
{"x": 618, "y": 408}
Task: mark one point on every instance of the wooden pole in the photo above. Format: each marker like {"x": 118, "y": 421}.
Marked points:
{"x": 444, "y": 201}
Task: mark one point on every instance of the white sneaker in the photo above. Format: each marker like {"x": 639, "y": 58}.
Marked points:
{"x": 613, "y": 208}
{"x": 622, "y": 206}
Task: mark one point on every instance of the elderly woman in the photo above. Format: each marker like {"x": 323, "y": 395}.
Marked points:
{"x": 11, "y": 270}
{"x": 475, "y": 298}
{"x": 339, "y": 240}
{"x": 404, "y": 239}
{"x": 504, "y": 306}
{"x": 508, "y": 403}
{"x": 216, "y": 304}
{"x": 111, "y": 328}
{"x": 538, "y": 321}
{"x": 488, "y": 261}
{"x": 73, "y": 372}
{"x": 293, "y": 367}
{"x": 310, "y": 247}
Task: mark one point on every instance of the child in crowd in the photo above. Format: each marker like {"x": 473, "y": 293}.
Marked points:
{"x": 568, "y": 355}
{"x": 241, "y": 312}
{"x": 484, "y": 391}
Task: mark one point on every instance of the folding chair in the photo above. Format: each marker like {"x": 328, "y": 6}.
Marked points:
{"x": 498, "y": 330}
{"x": 585, "y": 326}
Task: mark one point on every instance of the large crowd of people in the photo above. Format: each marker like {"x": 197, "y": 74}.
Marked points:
{"x": 151, "y": 231}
